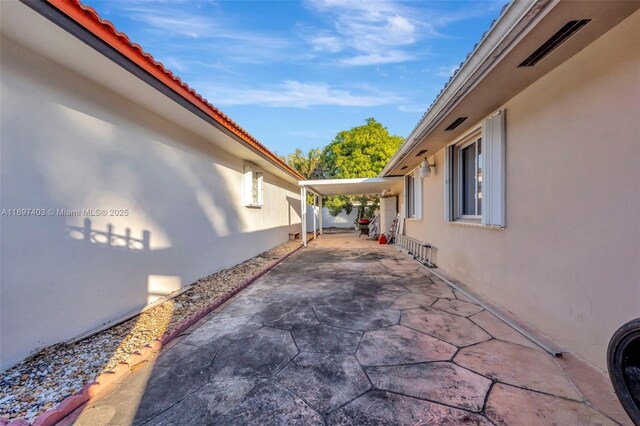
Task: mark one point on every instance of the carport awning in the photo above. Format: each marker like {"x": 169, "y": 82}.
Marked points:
{"x": 360, "y": 186}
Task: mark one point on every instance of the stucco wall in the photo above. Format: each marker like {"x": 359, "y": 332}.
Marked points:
{"x": 70, "y": 144}
{"x": 568, "y": 261}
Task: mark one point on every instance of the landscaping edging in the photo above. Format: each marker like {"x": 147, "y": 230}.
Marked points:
{"x": 105, "y": 380}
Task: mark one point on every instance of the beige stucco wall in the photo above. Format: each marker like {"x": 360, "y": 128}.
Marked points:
{"x": 568, "y": 261}
{"x": 67, "y": 143}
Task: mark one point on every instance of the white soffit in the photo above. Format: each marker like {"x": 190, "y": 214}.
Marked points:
{"x": 491, "y": 75}
{"x": 360, "y": 186}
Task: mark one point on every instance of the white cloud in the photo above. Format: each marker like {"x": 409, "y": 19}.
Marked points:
{"x": 174, "y": 23}
{"x": 369, "y": 32}
{"x": 376, "y": 58}
{"x": 375, "y": 32}
{"x": 295, "y": 94}
{"x": 325, "y": 43}
{"x": 168, "y": 27}
{"x": 401, "y": 25}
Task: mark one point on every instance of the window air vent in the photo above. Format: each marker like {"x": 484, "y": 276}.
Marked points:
{"x": 404, "y": 167}
{"x": 458, "y": 121}
{"x": 421, "y": 153}
{"x": 569, "y": 29}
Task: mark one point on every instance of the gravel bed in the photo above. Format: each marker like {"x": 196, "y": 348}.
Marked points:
{"x": 46, "y": 378}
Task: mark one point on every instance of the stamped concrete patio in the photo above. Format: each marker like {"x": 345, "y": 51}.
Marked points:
{"x": 350, "y": 332}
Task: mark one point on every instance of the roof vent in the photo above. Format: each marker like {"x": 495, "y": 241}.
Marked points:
{"x": 404, "y": 167}
{"x": 458, "y": 121}
{"x": 569, "y": 29}
{"x": 421, "y": 153}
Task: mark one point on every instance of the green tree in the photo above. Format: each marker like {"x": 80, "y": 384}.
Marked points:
{"x": 308, "y": 165}
{"x": 359, "y": 152}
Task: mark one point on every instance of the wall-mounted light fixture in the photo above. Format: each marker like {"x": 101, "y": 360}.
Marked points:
{"x": 425, "y": 168}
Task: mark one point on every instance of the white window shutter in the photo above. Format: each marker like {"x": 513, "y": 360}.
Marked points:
{"x": 260, "y": 189}
{"x": 417, "y": 194}
{"x": 246, "y": 184}
{"x": 493, "y": 170}
{"x": 448, "y": 183}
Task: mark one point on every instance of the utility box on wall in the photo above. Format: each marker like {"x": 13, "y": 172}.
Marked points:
{"x": 388, "y": 212}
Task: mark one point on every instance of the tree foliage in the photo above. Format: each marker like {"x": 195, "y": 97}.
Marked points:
{"x": 359, "y": 152}
{"x": 308, "y": 165}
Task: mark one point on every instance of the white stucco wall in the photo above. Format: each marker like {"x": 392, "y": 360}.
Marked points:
{"x": 568, "y": 261}
{"x": 67, "y": 143}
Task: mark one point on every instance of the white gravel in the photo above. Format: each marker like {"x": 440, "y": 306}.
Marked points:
{"x": 43, "y": 380}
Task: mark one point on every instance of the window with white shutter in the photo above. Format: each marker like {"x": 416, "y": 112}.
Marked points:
{"x": 475, "y": 175}
{"x": 253, "y": 186}
{"x": 413, "y": 195}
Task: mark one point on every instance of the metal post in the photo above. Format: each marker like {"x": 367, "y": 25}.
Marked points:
{"x": 315, "y": 235}
{"x": 320, "y": 212}
{"x": 303, "y": 214}
{"x": 315, "y": 212}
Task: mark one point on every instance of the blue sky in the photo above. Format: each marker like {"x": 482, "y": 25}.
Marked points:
{"x": 294, "y": 73}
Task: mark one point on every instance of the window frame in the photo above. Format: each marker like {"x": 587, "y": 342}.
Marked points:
{"x": 459, "y": 179}
{"x": 413, "y": 192}
{"x": 411, "y": 196}
{"x": 253, "y": 174}
{"x": 490, "y": 174}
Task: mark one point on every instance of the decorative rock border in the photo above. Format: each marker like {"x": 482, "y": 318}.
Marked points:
{"x": 105, "y": 380}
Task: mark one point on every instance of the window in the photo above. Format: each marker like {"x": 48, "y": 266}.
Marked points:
{"x": 474, "y": 175}
{"x": 413, "y": 194}
{"x": 470, "y": 178}
{"x": 253, "y": 187}
{"x": 411, "y": 208}
{"x": 256, "y": 187}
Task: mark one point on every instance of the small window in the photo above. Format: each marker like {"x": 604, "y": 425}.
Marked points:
{"x": 253, "y": 186}
{"x": 256, "y": 187}
{"x": 413, "y": 195}
{"x": 475, "y": 175}
{"x": 411, "y": 205}
{"x": 469, "y": 185}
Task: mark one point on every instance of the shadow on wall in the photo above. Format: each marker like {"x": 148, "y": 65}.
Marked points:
{"x": 157, "y": 285}
{"x": 294, "y": 204}
{"x": 63, "y": 275}
{"x": 108, "y": 237}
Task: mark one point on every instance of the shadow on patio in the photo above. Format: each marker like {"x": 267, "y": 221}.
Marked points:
{"x": 351, "y": 332}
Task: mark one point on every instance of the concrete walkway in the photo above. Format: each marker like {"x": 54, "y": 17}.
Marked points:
{"x": 350, "y": 332}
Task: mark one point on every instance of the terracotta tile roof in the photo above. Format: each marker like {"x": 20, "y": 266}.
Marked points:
{"x": 88, "y": 18}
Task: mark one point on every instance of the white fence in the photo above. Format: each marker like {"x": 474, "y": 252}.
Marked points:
{"x": 343, "y": 220}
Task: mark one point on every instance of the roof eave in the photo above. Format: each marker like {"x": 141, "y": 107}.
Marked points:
{"x": 88, "y": 18}
{"x": 516, "y": 19}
